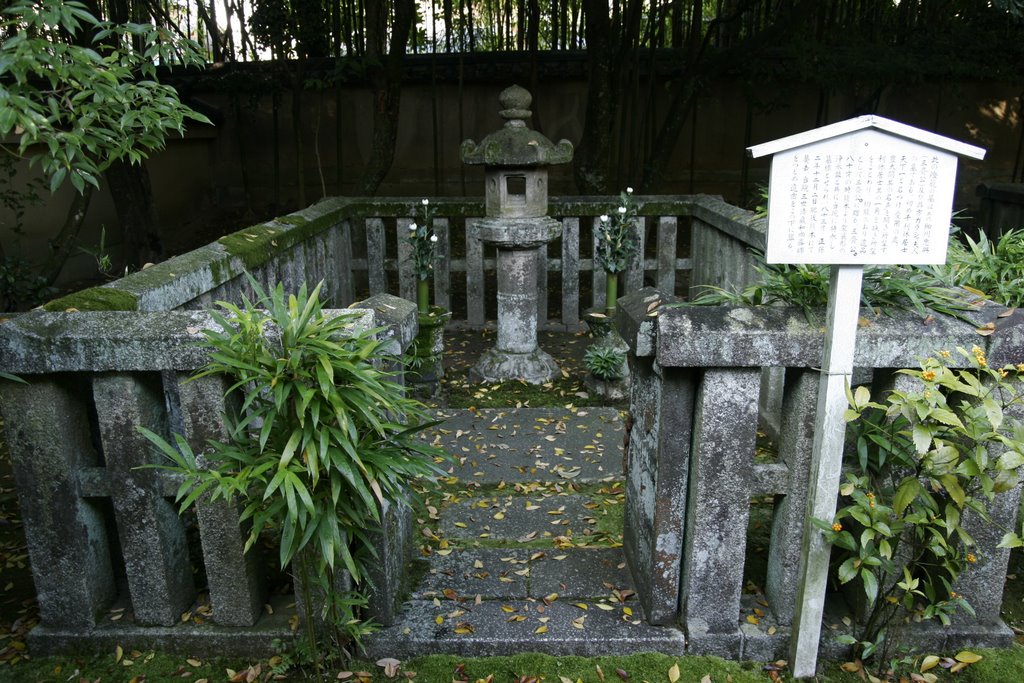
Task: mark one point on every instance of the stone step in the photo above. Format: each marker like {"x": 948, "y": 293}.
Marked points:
{"x": 542, "y": 515}
{"x": 498, "y": 627}
{"x": 521, "y": 574}
{"x": 532, "y": 444}
{"x": 531, "y": 558}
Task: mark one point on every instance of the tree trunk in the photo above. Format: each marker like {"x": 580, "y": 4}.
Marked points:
{"x": 593, "y": 155}
{"x": 65, "y": 241}
{"x": 386, "y": 78}
{"x": 133, "y": 199}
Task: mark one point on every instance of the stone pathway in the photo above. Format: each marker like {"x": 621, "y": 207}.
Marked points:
{"x": 521, "y": 546}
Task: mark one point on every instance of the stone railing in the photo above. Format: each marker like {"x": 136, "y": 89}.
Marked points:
{"x": 113, "y": 562}
{"x": 103, "y": 535}
{"x": 358, "y": 247}
{"x": 692, "y": 474}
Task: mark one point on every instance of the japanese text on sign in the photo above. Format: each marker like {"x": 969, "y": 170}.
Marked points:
{"x": 857, "y": 204}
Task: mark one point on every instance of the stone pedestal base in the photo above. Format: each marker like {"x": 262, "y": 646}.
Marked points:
{"x": 611, "y": 389}
{"x": 495, "y": 365}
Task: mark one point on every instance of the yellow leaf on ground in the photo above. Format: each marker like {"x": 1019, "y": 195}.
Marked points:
{"x": 968, "y": 657}
{"x": 673, "y": 673}
{"x": 929, "y": 662}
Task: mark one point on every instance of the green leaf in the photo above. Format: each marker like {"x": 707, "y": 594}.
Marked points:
{"x": 922, "y": 438}
{"x": 1011, "y": 460}
{"x": 870, "y": 585}
{"x": 289, "y": 449}
{"x": 848, "y": 570}
{"x": 1010, "y": 540}
{"x": 905, "y": 494}
{"x": 946, "y": 417}
{"x": 952, "y": 485}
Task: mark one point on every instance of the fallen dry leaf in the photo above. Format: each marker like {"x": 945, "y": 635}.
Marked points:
{"x": 390, "y": 666}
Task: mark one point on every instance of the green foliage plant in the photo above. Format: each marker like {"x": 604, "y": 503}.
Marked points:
{"x": 80, "y": 93}
{"x": 885, "y": 288}
{"x": 994, "y": 269}
{"x": 617, "y": 243}
{"x": 21, "y": 286}
{"x": 604, "y": 362}
{"x": 921, "y": 462}
{"x": 422, "y": 239}
{"x": 322, "y": 439}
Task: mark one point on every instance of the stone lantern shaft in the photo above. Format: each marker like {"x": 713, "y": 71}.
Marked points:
{"x": 515, "y": 161}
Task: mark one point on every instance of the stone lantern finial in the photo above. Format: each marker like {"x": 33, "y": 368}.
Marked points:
{"x": 515, "y": 101}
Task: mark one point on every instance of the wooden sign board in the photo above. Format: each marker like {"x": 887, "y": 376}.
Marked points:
{"x": 867, "y": 190}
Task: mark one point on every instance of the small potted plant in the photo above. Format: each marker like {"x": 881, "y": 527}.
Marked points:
{"x": 616, "y": 245}
{"x": 425, "y": 367}
{"x": 606, "y": 371}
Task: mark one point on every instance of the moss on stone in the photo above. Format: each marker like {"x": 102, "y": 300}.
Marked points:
{"x": 258, "y": 244}
{"x": 95, "y": 299}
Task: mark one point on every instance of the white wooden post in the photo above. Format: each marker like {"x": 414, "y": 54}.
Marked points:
{"x": 826, "y": 461}
{"x": 867, "y": 190}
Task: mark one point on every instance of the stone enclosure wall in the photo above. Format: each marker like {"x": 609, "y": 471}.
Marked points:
{"x": 103, "y": 535}
{"x": 697, "y": 386}
{"x": 105, "y": 538}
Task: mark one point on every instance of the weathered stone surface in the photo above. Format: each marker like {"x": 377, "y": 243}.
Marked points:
{"x": 485, "y": 630}
{"x": 102, "y": 341}
{"x": 506, "y": 517}
{"x": 517, "y": 233}
{"x": 799, "y": 403}
{"x": 535, "y": 367}
{"x": 636, "y": 324}
{"x": 153, "y": 541}
{"x": 387, "y": 581}
{"x": 662, "y": 404}
{"x": 233, "y": 576}
{"x": 718, "y": 505}
{"x": 46, "y": 425}
{"x": 500, "y": 574}
{"x": 531, "y": 444}
{"x": 728, "y": 336}
{"x": 581, "y": 574}
{"x": 396, "y": 315}
{"x": 205, "y": 640}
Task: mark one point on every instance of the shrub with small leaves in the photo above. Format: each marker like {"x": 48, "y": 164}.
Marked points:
{"x": 922, "y": 461}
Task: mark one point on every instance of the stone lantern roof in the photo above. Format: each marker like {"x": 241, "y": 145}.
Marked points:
{"x": 516, "y": 145}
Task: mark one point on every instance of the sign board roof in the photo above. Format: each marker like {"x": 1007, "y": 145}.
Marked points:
{"x": 860, "y": 123}
{"x": 867, "y": 190}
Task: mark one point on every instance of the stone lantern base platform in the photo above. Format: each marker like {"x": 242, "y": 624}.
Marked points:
{"x": 536, "y": 367}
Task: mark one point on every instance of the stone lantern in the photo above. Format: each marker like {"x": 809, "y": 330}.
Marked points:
{"x": 515, "y": 161}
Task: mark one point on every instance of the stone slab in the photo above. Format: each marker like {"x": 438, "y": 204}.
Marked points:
{"x": 517, "y": 445}
{"x": 509, "y": 517}
{"x": 739, "y": 336}
{"x": 205, "y": 640}
{"x": 500, "y": 574}
{"x": 584, "y": 573}
{"x": 486, "y": 630}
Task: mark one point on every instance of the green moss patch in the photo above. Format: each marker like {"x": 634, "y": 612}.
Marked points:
{"x": 258, "y": 244}
{"x": 95, "y": 299}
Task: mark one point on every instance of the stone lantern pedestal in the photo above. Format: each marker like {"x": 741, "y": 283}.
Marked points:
{"x": 517, "y": 354}
{"x": 515, "y": 161}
